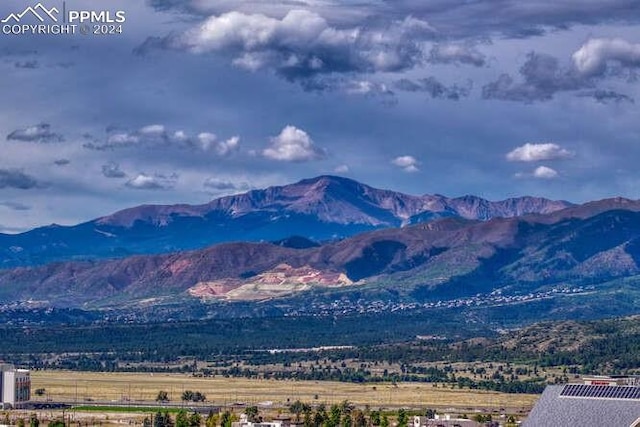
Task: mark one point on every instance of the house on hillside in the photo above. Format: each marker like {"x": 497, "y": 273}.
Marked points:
{"x": 597, "y": 401}
{"x": 15, "y": 386}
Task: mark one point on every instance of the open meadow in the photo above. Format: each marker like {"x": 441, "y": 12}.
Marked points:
{"x": 142, "y": 388}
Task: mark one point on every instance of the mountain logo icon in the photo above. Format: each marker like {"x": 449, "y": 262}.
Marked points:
{"x": 39, "y": 11}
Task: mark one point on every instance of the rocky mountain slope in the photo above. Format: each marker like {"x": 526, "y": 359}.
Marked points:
{"x": 322, "y": 208}
{"x": 444, "y": 258}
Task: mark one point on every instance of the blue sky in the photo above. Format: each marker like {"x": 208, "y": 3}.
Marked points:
{"x": 196, "y": 99}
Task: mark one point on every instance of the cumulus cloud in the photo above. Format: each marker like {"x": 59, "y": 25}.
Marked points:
{"x": 544, "y": 172}
{"x": 61, "y": 162}
{"x": 143, "y": 181}
{"x": 16, "y": 178}
{"x": 157, "y": 136}
{"x": 15, "y": 206}
{"x": 37, "y": 133}
{"x": 435, "y": 89}
{"x": 537, "y": 152}
{"x": 595, "y": 56}
{"x": 456, "y": 54}
{"x": 112, "y": 170}
{"x": 541, "y": 172}
{"x": 222, "y": 148}
{"x": 406, "y": 163}
{"x": 293, "y": 145}
{"x": 302, "y": 44}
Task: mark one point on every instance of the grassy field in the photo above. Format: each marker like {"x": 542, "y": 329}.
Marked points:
{"x": 83, "y": 387}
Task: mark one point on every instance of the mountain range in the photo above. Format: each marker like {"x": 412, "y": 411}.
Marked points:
{"x": 421, "y": 248}
{"x": 320, "y": 209}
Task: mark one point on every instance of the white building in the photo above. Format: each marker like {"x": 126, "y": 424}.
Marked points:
{"x": 443, "y": 420}
{"x": 244, "y": 422}
{"x": 15, "y": 386}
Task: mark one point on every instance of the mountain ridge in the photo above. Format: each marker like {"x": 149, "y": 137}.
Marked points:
{"x": 445, "y": 258}
{"x": 321, "y": 208}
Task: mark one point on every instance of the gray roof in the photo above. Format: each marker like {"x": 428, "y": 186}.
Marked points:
{"x": 552, "y": 410}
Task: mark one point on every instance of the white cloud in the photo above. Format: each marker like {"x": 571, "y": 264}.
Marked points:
{"x": 225, "y": 147}
{"x": 544, "y": 172}
{"x": 302, "y": 43}
{"x": 293, "y": 145}
{"x": 152, "y": 130}
{"x": 456, "y": 54}
{"x": 541, "y": 172}
{"x": 536, "y": 152}
{"x": 407, "y": 163}
{"x": 592, "y": 57}
{"x": 157, "y": 135}
{"x": 117, "y": 140}
{"x": 152, "y": 182}
{"x": 206, "y": 140}
{"x": 209, "y": 141}
{"x": 341, "y": 169}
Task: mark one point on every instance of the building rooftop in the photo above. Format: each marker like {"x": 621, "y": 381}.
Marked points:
{"x": 586, "y": 405}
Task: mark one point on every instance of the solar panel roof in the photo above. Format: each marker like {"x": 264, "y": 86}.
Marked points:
{"x": 600, "y": 391}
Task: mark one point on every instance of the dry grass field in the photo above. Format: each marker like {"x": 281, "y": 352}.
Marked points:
{"x": 83, "y": 387}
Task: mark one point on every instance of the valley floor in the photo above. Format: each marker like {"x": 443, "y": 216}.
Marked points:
{"x": 141, "y": 389}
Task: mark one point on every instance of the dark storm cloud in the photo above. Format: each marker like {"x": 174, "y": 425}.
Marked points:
{"x": 304, "y": 42}
{"x": 515, "y": 18}
{"x": 452, "y": 18}
{"x": 38, "y": 133}
{"x": 595, "y": 61}
{"x": 112, "y": 170}
{"x": 15, "y": 206}
{"x": 337, "y": 10}
{"x": 303, "y": 45}
{"x": 434, "y": 88}
{"x": 607, "y": 96}
{"x": 61, "y": 162}
{"x": 542, "y": 77}
{"x": 16, "y": 178}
